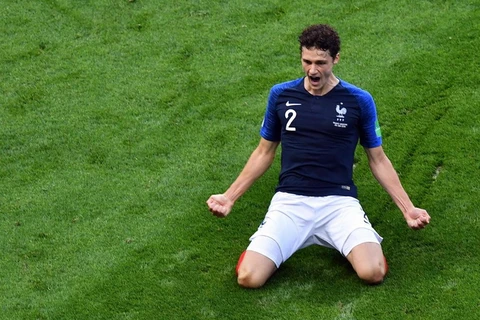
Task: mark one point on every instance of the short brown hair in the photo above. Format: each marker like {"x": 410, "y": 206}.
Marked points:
{"x": 320, "y": 36}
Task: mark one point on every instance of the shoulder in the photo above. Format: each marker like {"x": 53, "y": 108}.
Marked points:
{"x": 280, "y": 87}
{"x": 277, "y": 90}
{"x": 362, "y": 96}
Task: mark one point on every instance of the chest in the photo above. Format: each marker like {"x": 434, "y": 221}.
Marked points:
{"x": 336, "y": 115}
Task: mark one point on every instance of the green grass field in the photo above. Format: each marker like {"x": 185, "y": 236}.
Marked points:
{"x": 118, "y": 119}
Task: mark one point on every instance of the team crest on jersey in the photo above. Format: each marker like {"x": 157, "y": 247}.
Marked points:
{"x": 341, "y": 112}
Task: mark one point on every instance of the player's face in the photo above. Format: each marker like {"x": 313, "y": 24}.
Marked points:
{"x": 317, "y": 65}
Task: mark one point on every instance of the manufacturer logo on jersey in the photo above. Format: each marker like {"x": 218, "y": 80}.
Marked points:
{"x": 341, "y": 112}
{"x": 289, "y": 104}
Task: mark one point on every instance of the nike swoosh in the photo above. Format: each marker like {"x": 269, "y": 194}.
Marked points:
{"x": 288, "y": 104}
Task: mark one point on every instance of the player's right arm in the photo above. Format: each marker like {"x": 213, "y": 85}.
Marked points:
{"x": 260, "y": 160}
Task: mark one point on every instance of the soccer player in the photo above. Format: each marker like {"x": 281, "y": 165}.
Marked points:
{"x": 318, "y": 119}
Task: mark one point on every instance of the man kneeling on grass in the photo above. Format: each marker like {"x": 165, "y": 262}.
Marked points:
{"x": 319, "y": 120}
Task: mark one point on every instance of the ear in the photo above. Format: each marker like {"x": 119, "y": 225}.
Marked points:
{"x": 336, "y": 59}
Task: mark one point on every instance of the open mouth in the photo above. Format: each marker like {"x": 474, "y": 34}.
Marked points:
{"x": 314, "y": 80}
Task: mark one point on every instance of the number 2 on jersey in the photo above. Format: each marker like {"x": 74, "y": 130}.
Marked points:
{"x": 290, "y": 115}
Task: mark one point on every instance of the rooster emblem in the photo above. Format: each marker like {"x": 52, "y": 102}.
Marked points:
{"x": 341, "y": 111}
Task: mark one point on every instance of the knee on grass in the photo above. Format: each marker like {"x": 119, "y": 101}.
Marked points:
{"x": 251, "y": 275}
{"x": 372, "y": 274}
{"x": 250, "y": 280}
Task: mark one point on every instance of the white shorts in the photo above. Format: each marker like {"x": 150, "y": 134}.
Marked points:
{"x": 294, "y": 222}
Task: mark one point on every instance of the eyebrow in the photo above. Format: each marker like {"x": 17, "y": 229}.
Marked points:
{"x": 315, "y": 61}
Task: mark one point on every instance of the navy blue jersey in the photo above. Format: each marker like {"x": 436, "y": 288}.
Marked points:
{"x": 318, "y": 136}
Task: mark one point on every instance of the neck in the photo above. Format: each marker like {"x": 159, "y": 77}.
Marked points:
{"x": 323, "y": 90}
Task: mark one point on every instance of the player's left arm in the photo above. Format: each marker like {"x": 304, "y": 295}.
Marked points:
{"x": 386, "y": 175}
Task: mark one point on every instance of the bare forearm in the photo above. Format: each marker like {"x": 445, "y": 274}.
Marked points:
{"x": 256, "y": 166}
{"x": 388, "y": 178}
{"x": 386, "y": 175}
